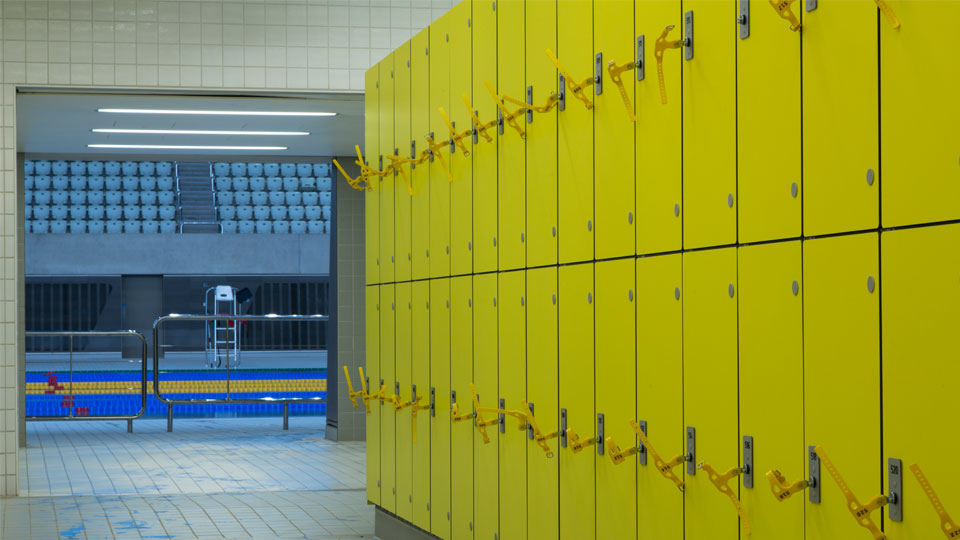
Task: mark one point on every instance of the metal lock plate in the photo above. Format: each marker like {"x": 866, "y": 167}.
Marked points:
{"x": 529, "y": 425}
{"x": 453, "y": 145}
{"x": 499, "y": 121}
{"x": 433, "y": 401}
{"x": 811, "y": 5}
{"x": 563, "y": 428}
{"x": 743, "y": 19}
{"x": 413, "y": 394}
{"x": 396, "y": 388}
{"x": 562, "y": 93}
{"x": 598, "y": 74}
{"x": 413, "y": 153}
{"x": 641, "y": 449}
{"x": 502, "y": 418}
{"x": 530, "y": 102}
{"x": 895, "y": 484}
{"x": 639, "y": 66}
{"x": 691, "y": 451}
{"x": 396, "y": 152}
{"x": 474, "y": 132}
{"x": 813, "y": 482}
{"x": 747, "y": 461}
{"x": 430, "y": 150}
{"x": 600, "y": 437}
{"x": 380, "y": 163}
{"x": 688, "y": 35}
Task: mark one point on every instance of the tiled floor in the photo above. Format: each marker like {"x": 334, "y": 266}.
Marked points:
{"x": 222, "y": 478}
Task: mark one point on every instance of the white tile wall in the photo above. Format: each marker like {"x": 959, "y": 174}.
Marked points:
{"x": 199, "y": 44}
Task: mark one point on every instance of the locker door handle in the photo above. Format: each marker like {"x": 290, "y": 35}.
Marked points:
{"x": 478, "y": 416}
{"x": 661, "y": 45}
{"x": 860, "y": 512}
{"x": 356, "y": 183}
{"x": 539, "y": 437}
{"x": 455, "y": 411}
{"x": 577, "y": 444}
{"x": 455, "y": 138}
{"x": 720, "y": 482}
{"x": 552, "y": 100}
{"x": 479, "y": 128}
{"x": 362, "y": 394}
{"x": 782, "y": 489}
{"x": 615, "y": 73}
{"x": 949, "y": 527}
{"x": 576, "y": 88}
{"x": 617, "y": 456}
{"x": 415, "y": 407}
{"x": 397, "y": 163}
{"x": 664, "y": 467}
{"x": 434, "y": 151}
{"x": 508, "y": 117}
{"x": 783, "y": 8}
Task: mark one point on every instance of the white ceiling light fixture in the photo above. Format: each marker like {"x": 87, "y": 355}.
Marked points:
{"x": 216, "y": 113}
{"x": 183, "y": 147}
{"x": 198, "y": 132}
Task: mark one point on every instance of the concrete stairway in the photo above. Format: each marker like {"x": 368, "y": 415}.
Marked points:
{"x": 198, "y": 212}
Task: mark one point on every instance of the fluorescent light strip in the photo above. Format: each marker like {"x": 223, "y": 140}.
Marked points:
{"x": 184, "y": 147}
{"x": 217, "y": 113}
{"x": 196, "y": 132}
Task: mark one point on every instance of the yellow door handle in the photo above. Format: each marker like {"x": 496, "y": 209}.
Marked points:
{"x": 782, "y": 489}
{"x": 949, "y": 527}
{"x": 661, "y": 45}
{"x": 577, "y": 444}
{"x": 478, "y": 127}
{"x": 436, "y": 149}
{"x": 617, "y": 456}
{"x": 455, "y": 138}
{"x": 415, "y": 407}
{"x": 720, "y": 482}
{"x": 397, "y": 163}
{"x": 508, "y": 117}
{"x": 665, "y": 467}
{"x": 615, "y": 72}
{"x": 356, "y": 394}
{"x": 356, "y": 183}
{"x": 478, "y": 416}
{"x": 860, "y": 512}
{"x": 455, "y": 413}
{"x": 552, "y": 101}
{"x": 575, "y": 87}
{"x": 539, "y": 437}
{"x": 783, "y": 8}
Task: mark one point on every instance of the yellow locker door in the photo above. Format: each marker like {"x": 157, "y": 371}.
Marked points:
{"x": 486, "y": 494}
{"x": 841, "y": 349}
{"x": 709, "y": 123}
{"x": 921, "y": 295}
{"x": 840, "y": 139}
{"x": 541, "y": 34}
{"x": 388, "y": 182}
{"x": 372, "y": 373}
{"x": 461, "y": 190}
{"x": 440, "y": 424}
{"x": 439, "y": 254}
{"x": 542, "y": 365}
{"x": 461, "y": 376}
{"x": 420, "y": 377}
{"x": 402, "y": 128}
{"x": 771, "y": 357}
{"x": 420, "y": 175}
{"x": 615, "y": 391}
{"x": 388, "y": 432}
{"x": 484, "y": 153}
{"x": 710, "y": 389}
{"x": 371, "y": 129}
{"x": 660, "y": 391}
{"x": 768, "y": 126}
{"x": 513, "y": 391}
{"x": 403, "y": 387}
{"x": 574, "y": 123}
{"x": 917, "y": 96}
{"x": 511, "y": 147}
{"x": 576, "y": 380}
{"x": 659, "y": 136}
{"x": 613, "y": 136}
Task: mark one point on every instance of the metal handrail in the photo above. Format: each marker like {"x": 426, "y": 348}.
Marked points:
{"x": 170, "y": 402}
{"x": 114, "y": 333}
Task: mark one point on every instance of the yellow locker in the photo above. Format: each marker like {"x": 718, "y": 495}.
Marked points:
{"x": 461, "y": 190}
{"x": 771, "y": 357}
{"x": 921, "y": 295}
{"x": 542, "y": 364}
{"x": 513, "y": 391}
{"x": 613, "y": 136}
{"x": 439, "y": 253}
{"x": 420, "y": 175}
{"x": 615, "y": 391}
{"x": 486, "y": 493}
{"x": 440, "y": 424}
{"x": 709, "y": 123}
{"x": 371, "y": 128}
{"x": 840, "y": 138}
{"x": 918, "y": 113}
{"x": 387, "y": 182}
{"x": 461, "y": 376}
{"x": 484, "y": 57}
{"x": 710, "y": 389}
{"x": 574, "y": 153}
{"x": 768, "y": 126}
{"x": 541, "y": 34}
{"x": 420, "y": 377}
{"x": 388, "y": 433}
{"x": 372, "y": 373}
{"x": 659, "y": 136}
{"x": 576, "y": 380}
{"x": 841, "y": 349}
{"x": 403, "y": 388}
{"x": 660, "y": 392}
{"x": 511, "y": 147}
{"x": 402, "y": 119}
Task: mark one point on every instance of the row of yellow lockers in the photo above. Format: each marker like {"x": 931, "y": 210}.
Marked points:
{"x": 843, "y": 125}
{"x": 780, "y": 342}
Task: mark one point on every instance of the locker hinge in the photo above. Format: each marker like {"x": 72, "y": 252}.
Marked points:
{"x": 743, "y": 19}
{"x": 665, "y": 468}
{"x": 783, "y": 8}
{"x": 659, "y": 47}
{"x": 950, "y": 528}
